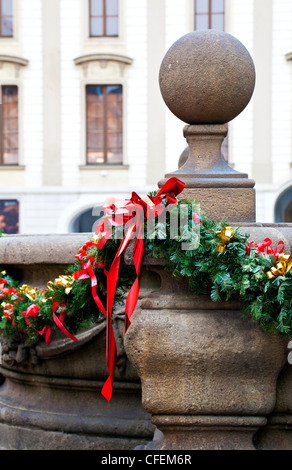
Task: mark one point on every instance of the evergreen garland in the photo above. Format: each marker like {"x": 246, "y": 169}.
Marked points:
{"x": 234, "y": 269}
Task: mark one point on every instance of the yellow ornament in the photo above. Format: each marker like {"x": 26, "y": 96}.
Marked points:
{"x": 283, "y": 266}
{"x": 30, "y": 292}
{"x": 97, "y": 237}
{"x": 225, "y": 235}
{"x": 63, "y": 281}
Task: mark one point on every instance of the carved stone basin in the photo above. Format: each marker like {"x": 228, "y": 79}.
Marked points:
{"x": 50, "y": 395}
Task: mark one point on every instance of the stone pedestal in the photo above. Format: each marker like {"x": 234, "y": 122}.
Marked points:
{"x": 208, "y": 374}
{"x": 277, "y": 434}
{"x": 221, "y": 191}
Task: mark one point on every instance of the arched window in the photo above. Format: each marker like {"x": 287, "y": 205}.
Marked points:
{"x": 85, "y": 221}
{"x": 283, "y": 208}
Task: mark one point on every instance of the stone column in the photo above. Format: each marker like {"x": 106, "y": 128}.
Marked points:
{"x": 208, "y": 375}
{"x": 206, "y": 80}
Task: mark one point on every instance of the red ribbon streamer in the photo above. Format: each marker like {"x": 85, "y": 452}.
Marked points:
{"x": 133, "y": 212}
{"x": 125, "y": 215}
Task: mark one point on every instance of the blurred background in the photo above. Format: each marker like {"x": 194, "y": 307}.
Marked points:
{"x": 82, "y": 117}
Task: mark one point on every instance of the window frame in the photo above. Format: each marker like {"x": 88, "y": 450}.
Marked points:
{"x": 2, "y": 162}
{"x": 104, "y": 18}
{"x": 210, "y": 14}
{"x": 105, "y": 146}
{"x": 13, "y": 21}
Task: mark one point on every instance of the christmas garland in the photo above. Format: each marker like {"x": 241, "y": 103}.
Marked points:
{"x": 218, "y": 260}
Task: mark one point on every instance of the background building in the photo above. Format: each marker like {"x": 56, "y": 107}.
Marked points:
{"x": 82, "y": 117}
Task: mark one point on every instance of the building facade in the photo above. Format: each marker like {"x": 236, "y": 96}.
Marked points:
{"x": 82, "y": 117}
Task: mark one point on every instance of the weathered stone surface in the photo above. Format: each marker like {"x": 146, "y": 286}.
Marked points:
{"x": 207, "y": 77}
{"x": 220, "y": 190}
{"x": 206, "y": 432}
{"x": 37, "y": 259}
{"x": 285, "y": 229}
{"x": 50, "y": 395}
{"x": 277, "y": 434}
{"x": 234, "y": 204}
{"x": 29, "y": 438}
{"x": 183, "y": 157}
{"x": 41, "y": 249}
{"x": 213, "y": 362}
{"x": 60, "y": 396}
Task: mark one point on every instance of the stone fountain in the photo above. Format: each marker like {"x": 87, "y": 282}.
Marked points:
{"x": 196, "y": 371}
{"x": 209, "y": 376}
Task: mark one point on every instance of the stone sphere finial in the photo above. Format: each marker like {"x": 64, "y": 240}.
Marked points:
{"x": 207, "y": 77}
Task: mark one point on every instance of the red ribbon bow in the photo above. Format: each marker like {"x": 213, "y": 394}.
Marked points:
{"x": 3, "y": 282}
{"x": 266, "y": 247}
{"x": 33, "y": 311}
{"x": 132, "y": 212}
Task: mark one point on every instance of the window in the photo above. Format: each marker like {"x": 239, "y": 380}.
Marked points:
{"x": 209, "y": 14}
{"x": 9, "y": 216}
{"x": 6, "y": 18}
{"x": 9, "y": 125}
{"x": 104, "y": 18}
{"x": 104, "y": 122}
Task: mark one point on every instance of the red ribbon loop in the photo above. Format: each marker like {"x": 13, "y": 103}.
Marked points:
{"x": 266, "y": 247}
{"x": 33, "y": 311}
{"x": 130, "y": 214}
